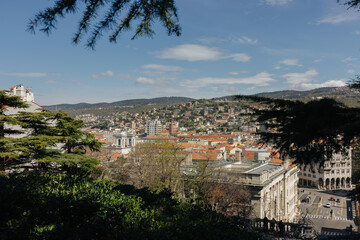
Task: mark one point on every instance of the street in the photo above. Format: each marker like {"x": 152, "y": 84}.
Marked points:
{"x": 327, "y": 210}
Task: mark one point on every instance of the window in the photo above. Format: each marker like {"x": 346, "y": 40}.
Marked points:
{"x": 342, "y": 171}
{"x": 332, "y": 171}
{"x": 348, "y": 171}
{"x": 337, "y": 171}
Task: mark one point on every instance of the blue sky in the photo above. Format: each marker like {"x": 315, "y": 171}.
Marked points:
{"x": 226, "y": 47}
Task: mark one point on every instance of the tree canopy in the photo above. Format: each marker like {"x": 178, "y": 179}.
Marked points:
{"x": 70, "y": 207}
{"x": 42, "y": 137}
{"x": 116, "y": 16}
{"x": 309, "y": 132}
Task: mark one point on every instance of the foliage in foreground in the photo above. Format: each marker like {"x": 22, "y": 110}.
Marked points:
{"x": 69, "y": 207}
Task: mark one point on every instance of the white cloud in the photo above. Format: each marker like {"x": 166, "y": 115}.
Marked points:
{"x": 107, "y": 73}
{"x": 191, "y": 52}
{"x": 144, "y": 80}
{"x": 163, "y": 68}
{"x": 349, "y": 59}
{"x": 330, "y": 83}
{"x": 95, "y": 76}
{"x": 17, "y": 74}
{"x": 237, "y": 73}
{"x": 239, "y": 57}
{"x": 277, "y": 67}
{"x": 357, "y": 32}
{"x": 351, "y": 71}
{"x": 340, "y": 18}
{"x": 291, "y": 62}
{"x": 277, "y": 2}
{"x": 194, "y": 52}
{"x": 297, "y": 78}
{"x": 244, "y": 40}
{"x": 233, "y": 73}
{"x": 260, "y": 79}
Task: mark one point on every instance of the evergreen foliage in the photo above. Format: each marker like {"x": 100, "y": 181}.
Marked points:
{"x": 119, "y": 15}
{"x": 43, "y": 139}
{"x": 309, "y": 132}
{"x": 70, "y": 207}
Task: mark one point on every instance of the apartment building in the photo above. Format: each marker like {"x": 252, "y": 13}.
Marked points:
{"x": 153, "y": 128}
{"x": 335, "y": 174}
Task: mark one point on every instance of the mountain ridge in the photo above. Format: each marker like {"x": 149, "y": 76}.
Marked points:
{"x": 120, "y": 104}
{"x": 343, "y": 94}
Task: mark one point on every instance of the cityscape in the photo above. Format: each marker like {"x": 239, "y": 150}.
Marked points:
{"x": 169, "y": 119}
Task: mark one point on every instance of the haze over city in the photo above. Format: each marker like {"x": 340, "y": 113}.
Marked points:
{"x": 235, "y": 47}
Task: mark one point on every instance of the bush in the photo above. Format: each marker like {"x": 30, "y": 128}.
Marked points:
{"x": 69, "y": 207}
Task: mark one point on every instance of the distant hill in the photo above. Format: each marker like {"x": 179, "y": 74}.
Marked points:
{"x": 349, "y": 97}
{"x": 331, "y": 92}
{"x": 132, "y": 103}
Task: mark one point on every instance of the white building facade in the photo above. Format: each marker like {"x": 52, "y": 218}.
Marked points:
{"x": 153, "y": 128}
{"x": 335, "y": 174}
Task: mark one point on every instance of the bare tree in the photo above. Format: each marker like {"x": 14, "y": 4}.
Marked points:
{"x": 155, "y": 164}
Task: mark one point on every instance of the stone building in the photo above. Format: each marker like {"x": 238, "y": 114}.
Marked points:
{"x": 335, "y": 174}
{"x": 121, "y": 140}
{"x": 273, "y": 186}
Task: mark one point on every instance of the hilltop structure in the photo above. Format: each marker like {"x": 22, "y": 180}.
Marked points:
{"x": 28, "y": 97}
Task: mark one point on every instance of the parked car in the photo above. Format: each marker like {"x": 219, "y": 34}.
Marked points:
{"x": 327, "y": 205}
{"x": 338, "y": 200}
{"x": 332, "y": 199}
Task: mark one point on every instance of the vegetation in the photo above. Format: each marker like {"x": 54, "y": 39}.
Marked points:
{"x": 42, "y": 138}
{"x": 142, "y": 12}
{"x": 309, "y": 132}
{"x": 71, "y": 207}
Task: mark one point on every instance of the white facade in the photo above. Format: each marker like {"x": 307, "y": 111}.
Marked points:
{"x": 27, "y": 97}
{"x": 25, "y": 94}
{"x": 273, "y": 187}
{"x": 124, "y": 140}
{"x": 336, "y": 173}
{"x": 153, "y": 128}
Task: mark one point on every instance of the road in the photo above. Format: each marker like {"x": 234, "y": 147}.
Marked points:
{"x": 338, "y": 216}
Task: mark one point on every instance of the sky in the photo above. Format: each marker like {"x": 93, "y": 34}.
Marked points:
{"x": 226, "y": 47}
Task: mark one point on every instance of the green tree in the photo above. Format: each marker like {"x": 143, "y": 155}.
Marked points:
{"x": 50, "y": 206}
{"x": 44, "y": 137}
{"x": 7, "y": 101}
{"x": 309, "y": 132}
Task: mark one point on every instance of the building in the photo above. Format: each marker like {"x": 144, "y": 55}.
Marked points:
{"x": 121, "y": 140}
{"x": 273, "y": 187}
{"x": 335, "y": 174}
{"x": 25, "y": 94}
{"x": 272, "y": 184}
{"x": 28, "y": 97}
{"x": 153, "y": 128}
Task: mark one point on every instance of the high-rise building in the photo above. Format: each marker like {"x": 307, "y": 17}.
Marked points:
{"x": 153, "y": 128}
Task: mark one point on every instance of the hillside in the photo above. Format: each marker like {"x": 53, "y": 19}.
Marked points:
{"x": 120, "y": 104}
{"x": 318, "y": 92}
{"x": 349, "y": 97}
